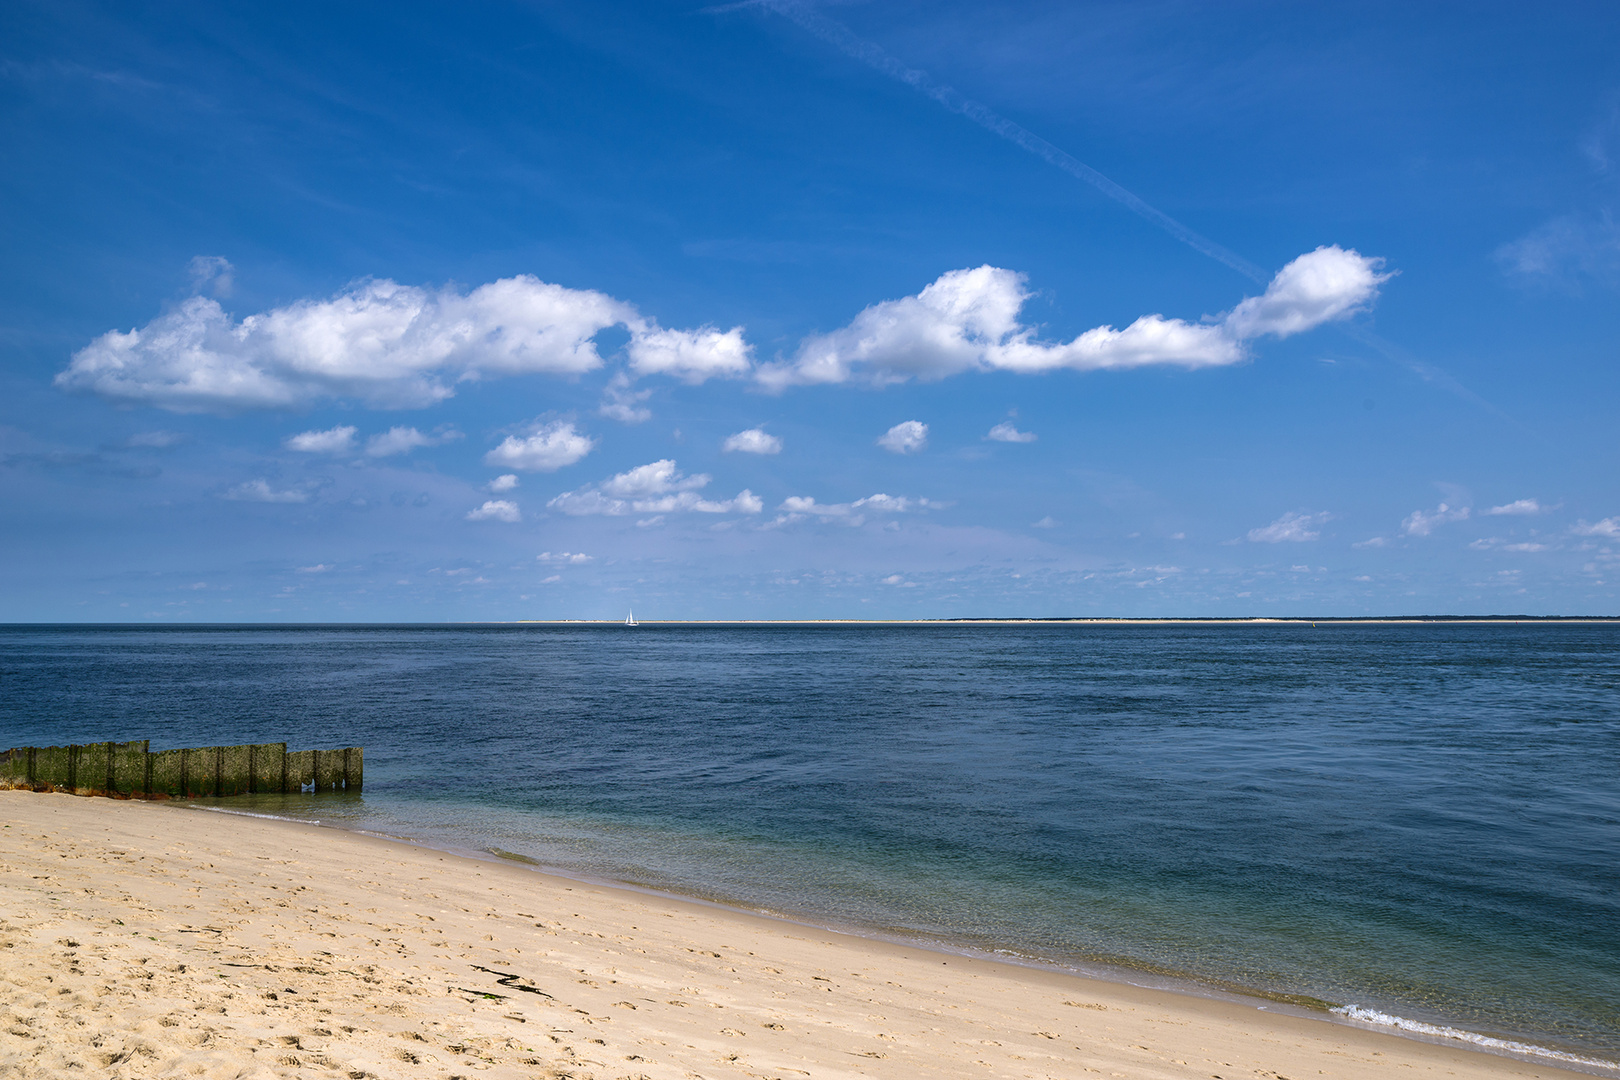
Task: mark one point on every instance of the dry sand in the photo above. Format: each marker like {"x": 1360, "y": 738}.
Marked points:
{"x": 152, "y": 940}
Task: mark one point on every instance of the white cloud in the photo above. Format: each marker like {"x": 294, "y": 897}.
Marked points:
{"x": 752, "y": 441}
{"x": 402, "y": 440}
{"x": 573, "y": 558}
{"x": 1422, "y": 523}
{"x": 1609, "y": 527}
{"x": 496, "y": 510}
{"x": 338, "y": 440}
{"x": 801, "y": 507}
{"x": 502, "y": 483}
{"x": 547, "y": 448}
{"x": 213, "y": 273}
{"x": 1373, "y": 542}
{"x": 1566, "y": 251}
{"x": 389, "y": 345}
{"x": 967, "y": 320}
{"x": 1007, "y": 432}
{"x": 318, "y": 568}
{"x": 1519, "y": 507}
{"x": 261, "y": 491}
{"x": 692, "y": 356}
{"x": 621, "y": 403}
{"x": 1291, "y": 527}
{"x": 154, "y": 440}
{"x": 655, "y": 488}
{"x": 907, "y": 437}
{"x": 1045, "y": 523}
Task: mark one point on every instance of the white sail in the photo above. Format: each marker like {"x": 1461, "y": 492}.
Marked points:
{"x": 631, "y": 620}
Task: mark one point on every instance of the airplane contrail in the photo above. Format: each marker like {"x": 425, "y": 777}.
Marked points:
{"x": 875, "y": 56}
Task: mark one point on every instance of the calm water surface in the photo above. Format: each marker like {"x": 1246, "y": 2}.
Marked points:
{"x": 1419, "y": 819}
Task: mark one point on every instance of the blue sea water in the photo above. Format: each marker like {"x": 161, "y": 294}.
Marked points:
{"x": 1419, "y": 820}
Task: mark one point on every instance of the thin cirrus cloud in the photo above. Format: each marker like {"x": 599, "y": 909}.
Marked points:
{"x": 496, "y": 510}
{"x": 1291, "y": 528}
{"x": 386, "y": 344}
{"x": 401, "y": 346}
{"x": 261, "y": 491}
{"x": 968, "y": 320}
{"x": 796, "y": 508}
{"x": 546, "y": 448}
{"x": 1424, "y": 522}
{"x": 658, "y": 487}
{"x": 906, "y": 437}
{"x": 1007, "y": 432}
{"x": 753, "y": 441}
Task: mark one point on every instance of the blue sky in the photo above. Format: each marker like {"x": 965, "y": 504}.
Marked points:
{"x": 777, "y": 310}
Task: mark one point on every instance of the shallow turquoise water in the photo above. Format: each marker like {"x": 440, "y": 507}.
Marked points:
{"x": 1418, "y": 819}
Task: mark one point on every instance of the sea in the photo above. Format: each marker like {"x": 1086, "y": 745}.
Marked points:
{"x": 1408, "y": 826}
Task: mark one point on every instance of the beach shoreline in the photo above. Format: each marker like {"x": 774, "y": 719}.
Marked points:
{"x": 397, "y": 951}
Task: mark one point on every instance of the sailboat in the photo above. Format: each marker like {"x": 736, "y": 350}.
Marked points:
{"x": 631, "y": 620}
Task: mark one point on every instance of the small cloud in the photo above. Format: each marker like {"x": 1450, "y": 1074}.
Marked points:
{"x": 1373, "y": 542}
{"x": 621, "y": 403}
{"x": 402, "y": 440}
{"x": 318, "y": 568}
{"x": 261, "y": 491}
{"x": 1519, "y": 507}
{"x": 1422, "y": 523}
{"x": 552, "y": 580}
{"x": 502, "y": 483}
{"x": 1006, "y": 432}
{"x": 1608, "y": 527}
{"x": 496, "y": 510}
{"x": 154, "y": 440}
{"x": 659, "y": 488}
{"x": 1045, "y": 523}
{"x": 752, "y": 441}
{"x": 1361, "y": 578}
{"x": 1290, "y": 528}
{"x": 899, "y": 582}
{"x": 573, "y": 558}
{"x": 338, "y": 440}
{"x": 908, "y": 437}
{"x": 547, "y": 448}
{"x": 212, "y": 273}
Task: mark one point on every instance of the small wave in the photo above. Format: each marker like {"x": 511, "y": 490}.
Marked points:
{"x": 1510, "y": 1046}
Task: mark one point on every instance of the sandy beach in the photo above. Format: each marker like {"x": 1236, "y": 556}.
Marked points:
{"x": 155, "y": 940}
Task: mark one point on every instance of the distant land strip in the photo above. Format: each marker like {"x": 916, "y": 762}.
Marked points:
{"x": 1169, "y": 620}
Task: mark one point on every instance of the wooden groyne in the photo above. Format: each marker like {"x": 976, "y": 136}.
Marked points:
{"x": 129, "y": 770}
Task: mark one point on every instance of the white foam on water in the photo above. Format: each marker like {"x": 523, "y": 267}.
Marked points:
{"x": 1509, "y": 1046}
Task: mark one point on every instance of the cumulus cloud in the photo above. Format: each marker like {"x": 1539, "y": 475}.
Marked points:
{"x": 1609, "y": 527}
{"x": 338, "y": 440}
{"x": 402, "y": 440}
{"x": 968, "y": 320}
{"x": 752, "y": 441}
{"x": 261, "y": 491}
{"x": 212, "y": 273}
{"x": 689, "y": 355}
{"x": 1006, "y": 432}
{"x": 1422, "y": 523}
{"x": 503, "y": 483}
{"x": 386, "y": 344}
{"x": 547, "y": 448}
{"x": 655, "y": 488}
{"x": 907, "y": 437}
{"x": 1519, "y": 507}
{"x": 496, "y": 510}
{"x": 573, "y": 558}
{"x": 1290, "y": 528}
{"x": 797, "y": 508}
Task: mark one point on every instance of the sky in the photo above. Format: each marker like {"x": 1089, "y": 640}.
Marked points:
{"x": 785, "y": 309}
